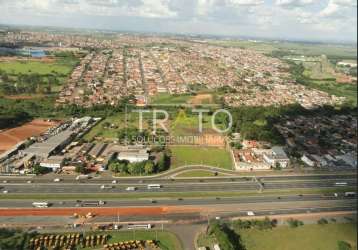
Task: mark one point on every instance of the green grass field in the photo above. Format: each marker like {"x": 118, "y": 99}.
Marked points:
{"x": 42, "y": 68}
{"x": 119, "y": 121}
{"x": 199, "y": 173}
{"x": 307, "y": 237}
{"x": 191, "y": 155}
{"x": 170, "y": 99}
{"x": 108, "y": 133}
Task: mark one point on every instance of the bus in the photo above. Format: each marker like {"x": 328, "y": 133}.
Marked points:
{"x": 139, "y": 226}
{"x": 40, "y": 204}
{"x": 154, "y": 186}
{"x": 340, "y": 183}
{"x": 92, "y": 203}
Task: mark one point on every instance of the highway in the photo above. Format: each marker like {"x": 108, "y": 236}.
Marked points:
{"x": 190, "y": 201}
{"x": 139, "y": 179}
{"x": 168, "y": 186}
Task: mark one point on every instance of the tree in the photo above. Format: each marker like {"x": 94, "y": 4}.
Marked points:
{"x": 14, "y": 239}
{"x": 294, "y": 223}
{"x": 322, "y": 221}
{"x": 136, "y": 168}
{"x": 119, "y": 167}
{"x": 226, "y": 237}
{"x": 164, "y": 161}
{"x": 80, "y": 169}
{"x": 149, "y": 167}
{"x": 342, "y": 245}
{"x": 37, "y": 169}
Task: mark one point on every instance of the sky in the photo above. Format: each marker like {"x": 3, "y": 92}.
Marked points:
{"x": 311, "y": 20}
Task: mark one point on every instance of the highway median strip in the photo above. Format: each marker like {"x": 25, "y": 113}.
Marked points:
{"x": 173, "y": 195}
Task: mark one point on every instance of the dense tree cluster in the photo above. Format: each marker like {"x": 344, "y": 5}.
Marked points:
{"x": 148, "y": 167}
{"x": 14, "y": 239}
{"x": 226, "y": 237}
{"x": 259, "y": 224}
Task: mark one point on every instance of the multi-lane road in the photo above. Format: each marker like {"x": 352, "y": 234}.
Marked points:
{"x": 232, "y": 184}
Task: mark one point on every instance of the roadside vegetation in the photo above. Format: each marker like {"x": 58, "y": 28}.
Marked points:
{"x": 308, "y": 237}
{"x": 265, "y": 234}
{"x": 199, "y": 173}
{"x": 14, "y": 239}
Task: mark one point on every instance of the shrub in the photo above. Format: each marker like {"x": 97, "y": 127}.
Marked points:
{"x": 342, "y": 245}
{"x": 293, "y": 223}
{"x": 322, "y": 221}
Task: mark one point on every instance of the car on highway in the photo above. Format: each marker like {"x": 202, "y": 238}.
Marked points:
{"x": 106, "y": 187}
{"x": 29, "y": 181}
{"x": 56, "y": 180}
{"x": 82, "y": 177}
{"x": 131, "y": 189}
{"x": 340, "y": 183}
{"x": 250, "y": 213}
{"x": 5, "y": 191}
{"x": 114, "y": 182}
{"x": 42, "y": 204}
{"x": 4, "y": 181}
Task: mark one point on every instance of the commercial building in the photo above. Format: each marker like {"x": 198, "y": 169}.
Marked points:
{"x": 276, "y": 156}
{"x": 53, "y": 162}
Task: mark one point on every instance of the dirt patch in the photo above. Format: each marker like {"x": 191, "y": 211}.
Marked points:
{"x": 10, "y": 137}
{"x": 108, "y": 211}
{"x": 201, "y": 99}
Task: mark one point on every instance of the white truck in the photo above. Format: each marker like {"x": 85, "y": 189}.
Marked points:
{"x": 82, "y": 177}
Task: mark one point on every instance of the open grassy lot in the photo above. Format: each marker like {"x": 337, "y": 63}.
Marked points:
{"x": 307, "y": 237}
{"x": 170, "y": 99}
{"x": 100, "y": 131}
{"x": 199, "y": 173}
{"x": 105, "y": 130}
{"x": 191, "y": 155}
{"x": 43, "y": 68}
{"x": 167, "y": 240}
{"x": 184, "y": 124}
{"x": 28, "y": 77}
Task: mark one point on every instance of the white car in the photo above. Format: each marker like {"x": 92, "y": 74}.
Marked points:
{"x": 131, "y": 189}
{"x": 5, "y": 191}
{"x": 114, "y": 182}
{"x": 29, "y": 181}
{"x": 4, "y": 181}
{"x": 57, "y": 180}
{"x": 250, "y": 213}
{"x": 106, "y": 187}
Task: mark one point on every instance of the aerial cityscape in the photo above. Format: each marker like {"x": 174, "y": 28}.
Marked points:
{"x": 178, "y": 125}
